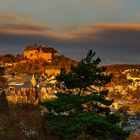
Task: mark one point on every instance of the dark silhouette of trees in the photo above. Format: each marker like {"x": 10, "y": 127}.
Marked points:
{"x": 79, "y": 109}
{"x": 7, "y": 58}
{"x": 3, "y": 85}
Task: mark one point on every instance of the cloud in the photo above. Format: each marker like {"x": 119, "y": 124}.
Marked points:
{"x": 11, "y": 17}
{"x": 119, "y": 26}
{"x": 118, "y": 43}
{"x": 68, "y": 33}
{"x": 23, "y": 28}
{"x": 12, "y": 23}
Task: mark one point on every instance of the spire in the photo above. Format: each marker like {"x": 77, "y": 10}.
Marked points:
{"x": 33, "y": 80}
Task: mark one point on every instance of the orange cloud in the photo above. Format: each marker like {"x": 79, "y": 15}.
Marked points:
{"x": 94, "y": 31}
{"x": 66, "y": 33}
{"x": 24, "y": 26}
{"x": 11, "y": 17}
{"x": 118, "y": 26}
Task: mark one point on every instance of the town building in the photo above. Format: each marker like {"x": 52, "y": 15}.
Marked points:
{"x": 52, "y": 71}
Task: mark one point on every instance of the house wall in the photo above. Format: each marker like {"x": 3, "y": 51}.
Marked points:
{"x": 52, "y": 71}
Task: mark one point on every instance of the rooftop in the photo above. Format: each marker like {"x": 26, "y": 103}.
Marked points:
{"x": 45, "y": 49}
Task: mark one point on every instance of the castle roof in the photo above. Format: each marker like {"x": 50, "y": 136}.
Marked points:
{"x": 45, "y": 49}
{"x": 48, "y": 50}
{"x": 35, "y": 47}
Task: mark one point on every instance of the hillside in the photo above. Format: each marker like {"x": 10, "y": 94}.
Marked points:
{"x": 120, "y": 72}
{"x": 125, "y": 84}
{"x": 64, "y": 62}
{"x": 39, "y": 65}
{"x": 122, "y": 67}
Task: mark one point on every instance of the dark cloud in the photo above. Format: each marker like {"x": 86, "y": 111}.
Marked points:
{"x": 23, "y": 26}
{"x": 113, "y": 43}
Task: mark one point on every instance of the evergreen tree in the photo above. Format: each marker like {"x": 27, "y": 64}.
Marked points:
{"x": 79, "y": 108}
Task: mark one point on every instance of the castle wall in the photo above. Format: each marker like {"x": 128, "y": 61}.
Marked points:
{"x": 46, "y": 56}
{"x": 37, "y": 52}
{"x": 32, "y": 54}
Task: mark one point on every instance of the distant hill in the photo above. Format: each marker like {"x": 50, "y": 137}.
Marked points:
{"x": 125, "y": 83}
{"x": 121, "y": 71}
{"x": 122, "y": 67}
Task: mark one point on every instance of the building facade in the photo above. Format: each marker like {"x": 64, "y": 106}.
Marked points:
{"x": 37, "y": 52}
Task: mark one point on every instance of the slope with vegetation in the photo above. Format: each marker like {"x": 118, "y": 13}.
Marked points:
{"x": 39, "y": 65}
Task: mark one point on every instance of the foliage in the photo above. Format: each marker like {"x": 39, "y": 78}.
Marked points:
{"x": 3, "y": 84}
{"x": 23, "y": 122}
{"x": 69, "y": 127}
{"x": 10, "y": 58}
{"x": 63, "y": 62}
{"x": 84, "y": 110}
{"x": 38, "y": 66}
{"x": 67, "y": 101}
{"x": 86, "y": 74}
{"x": 30, "y": 67}
{"x": 7, "y": 58}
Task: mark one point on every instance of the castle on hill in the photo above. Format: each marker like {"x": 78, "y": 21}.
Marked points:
{"x": 37, "y": 52}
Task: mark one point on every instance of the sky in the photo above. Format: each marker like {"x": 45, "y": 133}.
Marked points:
{"x": 111, "y": 28}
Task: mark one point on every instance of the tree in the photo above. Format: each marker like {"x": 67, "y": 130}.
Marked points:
{"x": 86, "y": 74}
{"x": 79, "y": 108}
{"x": 3, "y": 101}
{"x": 7, "y": 58}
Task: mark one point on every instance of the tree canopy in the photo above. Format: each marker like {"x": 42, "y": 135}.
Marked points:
{"x": 81, "y": 109}
{"x": 3, "y": 84}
